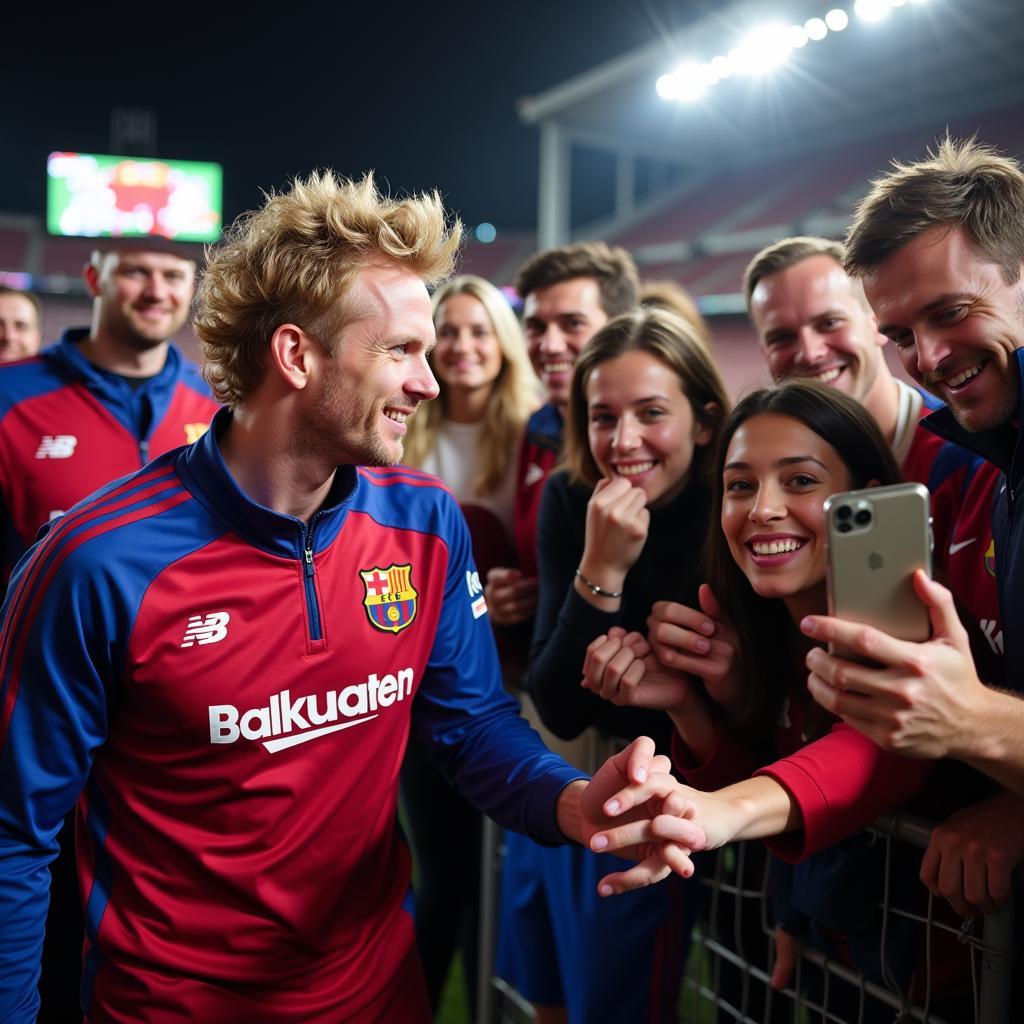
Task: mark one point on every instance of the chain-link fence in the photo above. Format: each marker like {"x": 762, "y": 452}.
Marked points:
{"x": 915, "y": 962}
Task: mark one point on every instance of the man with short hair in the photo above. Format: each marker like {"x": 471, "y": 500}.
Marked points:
{"x": 93, "y": 407}
{"x": 814, "y": 322}
{"x": 221, "y": 656}
{"x": 20, "y": 317}
{"x": 569, "y": 294}
{"x": 104, "y": 400}
{"x": 939, "y": 245}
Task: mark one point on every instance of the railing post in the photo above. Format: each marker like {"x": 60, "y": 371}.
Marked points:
{"x": 996, "y": 982}
{"x": 488, "y": 921}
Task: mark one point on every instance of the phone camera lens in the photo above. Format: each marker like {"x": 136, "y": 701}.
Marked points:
{"x": 844, "y": 527}
{"x": 863, "y": 517}
{"x": 843, "y": 512}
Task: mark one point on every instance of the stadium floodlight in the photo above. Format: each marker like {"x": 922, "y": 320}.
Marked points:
{"x": 816, "y": 29}
{"x": 762, "y": 49}
{"x": 837, "y": 19}
{"x": 765, "y": 48}
{"x": 687, "y": 83}
{"x": 797, "y": 36}
{"x": 721, "y": 66}
{"x": 872, "y": 10}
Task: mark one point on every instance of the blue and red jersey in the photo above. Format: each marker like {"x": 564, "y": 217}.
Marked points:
{"x": 68, "y": 427}
{"x": 962, "y": 487}
{"x": 1001, "y": 448}
{"x": 227, "y": 693}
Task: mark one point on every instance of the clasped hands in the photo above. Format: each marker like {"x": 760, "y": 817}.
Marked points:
{"x": 635, "y": 808}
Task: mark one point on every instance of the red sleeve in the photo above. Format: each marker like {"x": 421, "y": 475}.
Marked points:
{"x": 535, "y": 466}
{"x": 841, "y": 783}
{"x": 729, "y": 761}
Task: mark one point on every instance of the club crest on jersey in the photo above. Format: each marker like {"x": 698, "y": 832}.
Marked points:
{"x": 389, "y": 598}
{"x": 990, "y": 558}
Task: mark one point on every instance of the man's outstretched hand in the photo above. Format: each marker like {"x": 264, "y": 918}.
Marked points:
{"x": 618, "y": 806}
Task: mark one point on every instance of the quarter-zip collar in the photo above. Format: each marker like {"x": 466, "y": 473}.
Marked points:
{"x": 206, "y": 475}
{"x": 125, "y": 403}
{"x": 1001, "y": 446}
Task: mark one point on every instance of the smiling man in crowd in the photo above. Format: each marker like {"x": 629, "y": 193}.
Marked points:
{"x": 939, "y": 246}
{"x": 814, "y": 322}
{"x": 20, "y": 318}
{"x": 569, "y": 294}
{"x": 95, "y": 406}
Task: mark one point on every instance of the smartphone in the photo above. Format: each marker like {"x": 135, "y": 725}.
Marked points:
{"x": 876, "y": 538}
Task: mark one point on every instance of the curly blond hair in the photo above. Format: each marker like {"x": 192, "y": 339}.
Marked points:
{"x": 295, "y": 259}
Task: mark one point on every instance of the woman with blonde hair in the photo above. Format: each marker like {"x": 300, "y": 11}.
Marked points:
{"x": 468, "y": 436}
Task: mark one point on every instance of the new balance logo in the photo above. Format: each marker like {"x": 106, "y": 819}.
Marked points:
{"x": 284, "y": 722}
{"x": 209, "y": 630}
{"x": 56, "y": 446}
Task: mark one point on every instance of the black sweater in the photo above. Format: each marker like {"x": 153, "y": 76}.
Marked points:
{"x": 670, "y": 567}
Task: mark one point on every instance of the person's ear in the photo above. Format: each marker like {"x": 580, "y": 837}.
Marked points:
{"x": 91, "y": 276}
{"x": 705, "y": 432}
{"x": 294, "y": 355}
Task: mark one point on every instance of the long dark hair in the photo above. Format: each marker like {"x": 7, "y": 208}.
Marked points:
{"x": 769, "y": 643}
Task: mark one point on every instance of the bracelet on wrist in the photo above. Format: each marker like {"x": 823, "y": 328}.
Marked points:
{"x": 595, "y": 589}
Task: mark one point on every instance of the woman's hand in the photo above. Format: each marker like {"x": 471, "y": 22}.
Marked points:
{"x": 621, "y": 668}
{"x": 617, "y": 524}
{"x": 511, "y": 596}
{"x": 699, "y": 642}
{"x": 617, "y": 808}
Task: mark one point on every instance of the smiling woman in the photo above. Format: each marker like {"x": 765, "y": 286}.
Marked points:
{"x": 467, "y": 436}
{"x": 731, "y": 675}
{"x": 621, "y": 526}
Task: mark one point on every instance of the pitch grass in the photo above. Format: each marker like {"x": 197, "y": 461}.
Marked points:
{"x": 453, "y": 1009}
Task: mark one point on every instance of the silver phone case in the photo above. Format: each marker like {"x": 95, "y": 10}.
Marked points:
{"x": 870, "y": 564}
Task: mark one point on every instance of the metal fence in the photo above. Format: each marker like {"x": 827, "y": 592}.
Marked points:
{"x": 961, "y": 972}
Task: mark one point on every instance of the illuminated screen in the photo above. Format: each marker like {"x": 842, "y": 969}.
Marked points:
{"x": 100, "y": 196}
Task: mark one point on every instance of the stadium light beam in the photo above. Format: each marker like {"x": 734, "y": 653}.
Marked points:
{"x": 816, "y": 29}
{"x": 837, "y": 19}
{"x": 797, "y": 36}
{"x": 687, "y": 83}
{"x": 765, "y": 48}
{"x": 721, "y": 66}
{"x": 872, "y": 10}
{"x": 762, "y": 49}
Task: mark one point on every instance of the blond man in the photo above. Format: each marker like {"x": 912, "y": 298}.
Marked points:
{"x": 219, "y": 656}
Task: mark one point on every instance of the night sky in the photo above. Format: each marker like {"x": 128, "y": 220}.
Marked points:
{"x": 423, "y": 94}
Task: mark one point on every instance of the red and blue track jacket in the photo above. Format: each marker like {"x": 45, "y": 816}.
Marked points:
{"x": 68, "y": 427}
{"x": 227, "y": 693}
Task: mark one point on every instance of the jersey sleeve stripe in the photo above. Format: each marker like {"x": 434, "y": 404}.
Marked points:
{"x": 12, "y": 651}
{"x": 408, "y": 479}
{"x": 135, "y": 489}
